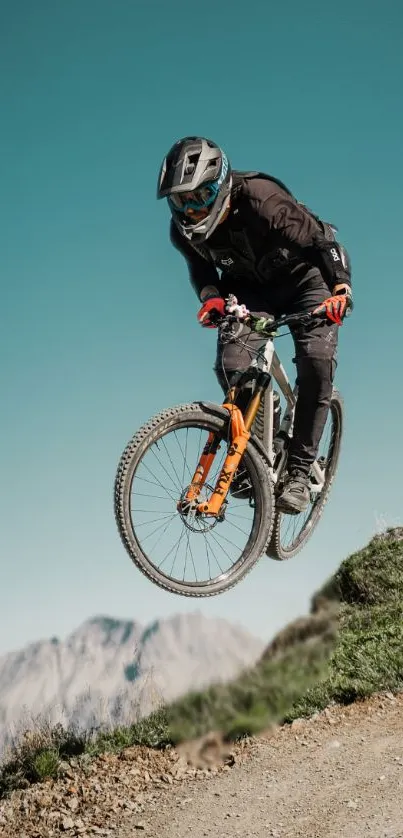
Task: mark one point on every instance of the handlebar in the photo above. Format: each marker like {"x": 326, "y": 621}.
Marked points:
{"x": 268, "y": 326}
{"x": 265, "y": 326}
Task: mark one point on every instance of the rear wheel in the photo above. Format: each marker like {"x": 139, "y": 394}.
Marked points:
{"x": 291, "y": 532}
{"x": 181, "y": 550}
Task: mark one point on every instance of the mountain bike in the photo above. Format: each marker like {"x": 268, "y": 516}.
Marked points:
{"x": 196, "y": 486}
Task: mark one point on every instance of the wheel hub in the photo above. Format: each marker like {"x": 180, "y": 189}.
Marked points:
{"x": 194, "y": 520}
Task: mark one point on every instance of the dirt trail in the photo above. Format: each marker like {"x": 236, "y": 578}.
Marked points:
{"x": 339, "y": 775}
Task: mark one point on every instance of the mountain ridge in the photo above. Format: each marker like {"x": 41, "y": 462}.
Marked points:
{"x": 110, "y": 669}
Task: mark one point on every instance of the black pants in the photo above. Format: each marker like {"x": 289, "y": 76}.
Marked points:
{"x": 315, "y": 355}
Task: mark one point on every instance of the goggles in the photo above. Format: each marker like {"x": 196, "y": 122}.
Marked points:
{"x": 198, "y": 199}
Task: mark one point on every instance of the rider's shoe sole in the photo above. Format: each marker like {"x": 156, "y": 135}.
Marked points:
{"x": 289, "y": 508}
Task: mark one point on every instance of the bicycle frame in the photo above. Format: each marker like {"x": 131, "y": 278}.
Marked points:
{"x": 266, "y": 366}
{"x": 268, "y": 361}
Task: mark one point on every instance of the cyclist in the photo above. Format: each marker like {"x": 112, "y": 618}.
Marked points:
{"x": 244, "y": 233}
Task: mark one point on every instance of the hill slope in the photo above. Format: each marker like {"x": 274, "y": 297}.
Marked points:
{"x": 349, "y": 647}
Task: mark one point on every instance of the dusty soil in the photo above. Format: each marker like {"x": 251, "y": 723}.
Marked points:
{"x": 338, "y": 775}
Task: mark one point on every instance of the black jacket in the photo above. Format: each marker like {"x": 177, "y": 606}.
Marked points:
{"x": 267, "y": 234}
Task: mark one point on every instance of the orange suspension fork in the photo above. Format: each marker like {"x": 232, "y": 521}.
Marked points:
{"x": 239, "y": 441}
{"x": 240, "y": 433}
{"x": 200, "y": 476}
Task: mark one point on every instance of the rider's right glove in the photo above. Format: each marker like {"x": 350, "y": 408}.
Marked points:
{"x": 211, "y": 307}
{"x": 338, "y": 306}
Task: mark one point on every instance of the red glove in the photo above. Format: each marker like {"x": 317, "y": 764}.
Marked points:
{"x": 335, "y": 307}
{"x": 214, "y": 305}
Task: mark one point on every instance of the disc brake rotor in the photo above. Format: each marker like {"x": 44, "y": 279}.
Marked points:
{"x": 193, "y": 519}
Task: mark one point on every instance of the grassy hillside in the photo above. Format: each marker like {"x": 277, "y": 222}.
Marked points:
{"x": 350, "y": 646}
{"x": 368, "y": 656}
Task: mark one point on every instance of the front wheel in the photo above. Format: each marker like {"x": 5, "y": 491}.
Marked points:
{"x": 291, "y": 532}
{"x": 179, "y": 549}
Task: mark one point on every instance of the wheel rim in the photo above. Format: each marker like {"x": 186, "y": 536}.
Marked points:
{"x": 186, "y": 548}
{"x": 294, "y": 529}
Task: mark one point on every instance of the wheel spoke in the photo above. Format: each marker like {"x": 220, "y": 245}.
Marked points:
{"x": 235, "y": 515}
{"x": 185, "y": 463}
{"x": 144, "y": 495}
{"x": 161, "y": 534}
{"x": 240, "y": 529}
{"x": 223, "y": 548}
{"x": 220, "y": 535}
{"x": 182, "y": 535}
{"x": 145, "y": 523}
{"x": 191, "y": 555}
{"x": 176, "y": 545}
{"x": 180, "y": 483}
{"x": 211, "y": 548}
{"x": 169, "y": 476}
{"x": 158, "y": 483}
{"x": 154, "y": 512}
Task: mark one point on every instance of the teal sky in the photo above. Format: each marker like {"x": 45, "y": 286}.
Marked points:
{"x": 98, "y": 320}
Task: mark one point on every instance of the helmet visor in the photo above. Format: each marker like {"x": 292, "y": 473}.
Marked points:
{"x": 198, "y": 199}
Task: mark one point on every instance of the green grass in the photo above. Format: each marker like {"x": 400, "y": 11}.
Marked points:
{"x": 43, "y": 751}
{"x": 368, "y": 656}
{"x": 311, "y": 665}
{"x": 349, "y": 647}
{"x": 260, "y": 696}
{"x": 152, "y": 731}
{"x": 38, "y": 754}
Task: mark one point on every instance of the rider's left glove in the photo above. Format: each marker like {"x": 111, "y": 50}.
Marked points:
{"x": 338, "y": 306}
{"x": 210, "y": 309}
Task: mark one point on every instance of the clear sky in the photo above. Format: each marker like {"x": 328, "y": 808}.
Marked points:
{"x": 98, "y": 328}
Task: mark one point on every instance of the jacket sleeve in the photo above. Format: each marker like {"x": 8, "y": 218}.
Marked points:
{"x": 202, "y": 272}
{"x": 300, "y": 232}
